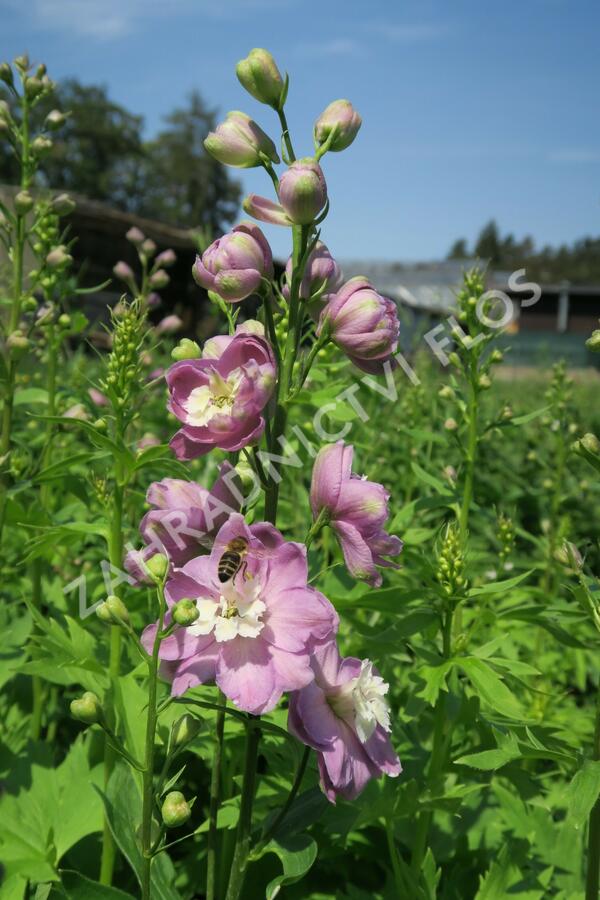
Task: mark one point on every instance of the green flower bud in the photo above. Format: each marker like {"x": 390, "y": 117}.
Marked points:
{"x": 496, "y": 356}
{"x": 100, "y": 424}
{"x": 23, "y": 203}
{"x": 484, "y": 382}
{"x": 58, "y": 258}
{"x": 185, "y": 612}
{"x": 113, "y": 611}
{"x": 175, "y": 810}
{"x": 186, "y": 349}
{"x": 33, "y": 87}
{"x": 184, "y": 730}
{"x": 446, "y": 393}
{"x": 258, "y": 73}
{"x": 157, "y": 566}
{"x": 454, "y": 359}
{"x": 341, "y": 117}
{"x": 55, "y": 120}
{"x": 64, "y": 321}
{"x": 568, "y": 555}
{"x": 6, "y": 74}
{"x": 450, "y": 425}
{"x": 30, "y": 304}
{"x": 590, "y": 443}
{"x": 41, "y": 145}
{"x": 87, "y": 708}
{"x": 22, "y": 63}
{"x": 18, "y": 343}
{"x": 63, "y": 205}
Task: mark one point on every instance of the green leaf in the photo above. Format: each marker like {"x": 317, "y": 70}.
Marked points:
{"x": 529, "y": 417}
{"x": 489, "y": 687}
{"x": 297, "y": 854}
{"x": 502, "y": 872}
{"x": 123, "y": 805}
{"x": 435, "y": 679}
{"x": 433, "y": 482}
{"x": 486, "y": 760}
{"x": 46, "y": 813}
{"x": 77, "y": 887}
{"x": 582, "y": 792}
{"x": 499, "y": 587}
{"x": 27, "y": 396}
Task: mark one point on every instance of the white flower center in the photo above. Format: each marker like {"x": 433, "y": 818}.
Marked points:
{"x": 213, "y": 398}
{"x": 361, "y": 702}
{"x": 237, "y": 612}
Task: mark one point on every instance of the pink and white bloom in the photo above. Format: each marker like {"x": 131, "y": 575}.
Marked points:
{"x": 356, "y": 509}
{"x": 363, "y": 324}
{"x": 240, "y": 142}
{"x": 255, "y": 632}
{"x": 220, "y": 399}
{"x": 344, "y": 715}
{"x": 234, "y": 265}
{"x": 302, "y": 196}
{"x": 184, "y": 519}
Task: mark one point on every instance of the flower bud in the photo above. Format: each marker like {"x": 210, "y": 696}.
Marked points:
{"x": 23, "y": 203}
{"x": 18, "y": 343}
{"x": 258, "y": 73}
{"x": 303, "y": 191}
{"x": 41, "y": 145}
{"x": 148, "y": 247}
{"x": 55, "y": 120}
{"x": 6, "y": 74}
{"x": 175, "y": 810}
{"x": 135, "y": 236}
{"x": 496, "y": 356}
{"x": 185, "y": 612}
{"x": 166, "y": 258}
{"x": 159, "y": 279}
{"x": 240, "y": 142}
{"x": 4, "y": 111}
{"x": 22, "y": 63}
{"x": 58, "y": 258}
{"x": 157, "y": 566}
{"x": 87, "y": 708}
{"x": 568, "y": 555}
{"x": 123, "y": 271}
{"x": 184, "y": 730}
{"x": 590, "y": 443}
{"x": 113, "y": 611}
{"x": 454, "y": 359}
{"x": 450, "y": 424}
{"x": 484, "y": 382}
{"x": 64, "y": 320}
{"x": 593, "y": 342}
{"x": 169, "y": 325}
{"x": 33, "y": 87}
{"x": 446, "y": 392}
{"x": 63, "y": 205}
{"x": 186, "y": 349}
{"x": 341, "y": 116}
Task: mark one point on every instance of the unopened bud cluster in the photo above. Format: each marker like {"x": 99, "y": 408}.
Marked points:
{"x": 451, "y": 563}
{"x": 506, "y": 537}
{"x": 154, "y": 276}
{"x": 124, "y": 371}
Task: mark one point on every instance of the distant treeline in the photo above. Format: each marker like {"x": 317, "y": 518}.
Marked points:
{"x": 578, "y": 263}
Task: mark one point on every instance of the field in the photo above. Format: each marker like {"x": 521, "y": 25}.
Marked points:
{"x": 289, "y": 613}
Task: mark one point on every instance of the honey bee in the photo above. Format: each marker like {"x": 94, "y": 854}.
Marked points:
{"x": 233, "y": 558}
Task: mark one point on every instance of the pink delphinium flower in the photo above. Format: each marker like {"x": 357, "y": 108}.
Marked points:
{"x": 363, "y": 324}
{"x": 255, "y": 632}
{"x": 356, "y": 509}
{"x": 184, "y": 519}
{"x": 235, "y": 264}
{"x": 98, "y": 397}
{"x": 344, "y": 715}
{"x": 169, "y": 325}
{"x": 220, "y": 399}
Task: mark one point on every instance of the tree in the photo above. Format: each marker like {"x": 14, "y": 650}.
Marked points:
{"x": 183, "y": 185}
{"x": 100, "y": 153}
{"x": 487, "y": 247}
{"x": 458, "y": 250}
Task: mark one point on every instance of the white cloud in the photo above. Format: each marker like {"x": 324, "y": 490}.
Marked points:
{"x": 415, "y": 33}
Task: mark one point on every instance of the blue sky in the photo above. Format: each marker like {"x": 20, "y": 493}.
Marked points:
{"x": 470, "y": 109}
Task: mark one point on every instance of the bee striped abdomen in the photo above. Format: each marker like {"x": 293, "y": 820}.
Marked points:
{"x": 229, "y": 565}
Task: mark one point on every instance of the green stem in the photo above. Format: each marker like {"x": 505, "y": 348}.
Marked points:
{"x": 148, "y": 775}
{"x": 592, "y": 882}
{"x": 285, "y": 134}
{"x": 215, "y": 787}
{"x": 15, "y": 315}
{"x": 319, "y": 523}
{"x": 115, "y": 553}
{"x": 281, "y": 815}
{"x": 242, "y": 846}
{"x": 471, "y": 452}
{"x": 394, "y": 859}
{"x": 438, "y": 753}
